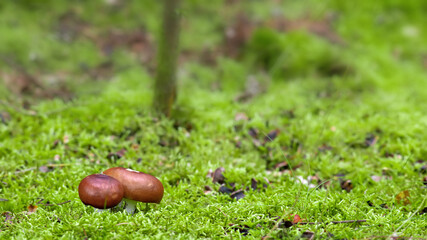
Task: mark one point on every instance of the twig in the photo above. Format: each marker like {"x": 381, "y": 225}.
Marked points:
{"x": 58, "y": 164}
{"x": 125, "y": 223}
{"x": 222, "y": 212}
{"x": 55, "y": 204}
{"x": 84, "y": 232}
{"x": 388, "y": 237}
{"x": 333, "y": 222}
{"x": 25, "y": 170}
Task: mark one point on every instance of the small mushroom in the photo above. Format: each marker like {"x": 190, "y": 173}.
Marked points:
{"x": 138, "y": 186}
{"x": 100, "y": 191}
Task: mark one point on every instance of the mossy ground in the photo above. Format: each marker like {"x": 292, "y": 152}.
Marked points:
{"x": 368, "y": 120}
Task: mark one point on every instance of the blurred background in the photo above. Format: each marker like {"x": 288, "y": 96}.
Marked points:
{"x": 63, "y": 49}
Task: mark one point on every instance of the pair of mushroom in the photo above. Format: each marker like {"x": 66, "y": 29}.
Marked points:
{"x": 108, "y": 189}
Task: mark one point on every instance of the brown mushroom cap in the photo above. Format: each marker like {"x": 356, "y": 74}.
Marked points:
{"x": 138, "y": 186}
{"x": 100, "y": 191}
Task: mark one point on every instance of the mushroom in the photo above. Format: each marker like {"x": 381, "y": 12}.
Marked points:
{"x": 138, "y": 186}
{"x": 100, "y": 191}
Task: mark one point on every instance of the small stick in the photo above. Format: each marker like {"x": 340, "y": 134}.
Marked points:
{"x": 222, "y": 212}
{"x": 125, "y": 223}
{"x": 55, "y": 204}
{"x": 58, "y": 164}
{"x": 25, "y": 170}
{"x": 84, "y": 232}
{"x": 333, "y": 222}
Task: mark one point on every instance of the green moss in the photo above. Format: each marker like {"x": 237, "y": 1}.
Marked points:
{"x": 327, "y": 124}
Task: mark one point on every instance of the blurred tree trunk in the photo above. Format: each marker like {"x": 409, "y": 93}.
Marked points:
{"x": 165, "y": 82}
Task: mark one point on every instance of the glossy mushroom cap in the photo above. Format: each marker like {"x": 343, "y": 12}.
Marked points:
{"x": 100, "y": 191}
{"x": 138, "y": 186}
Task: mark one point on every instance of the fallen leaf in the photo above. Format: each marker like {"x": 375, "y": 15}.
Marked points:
{"x": 297, "y": 219}
{"x": 254, "y": 184}
{"x": 32, "y": 209}
{"x": 403, "y": 197}
{"x": 346, "y": 185}
{"x": 208, "y": 190}
{"x": 271, "y": 135}
{"x": 218, "y": 177}
{"x": 239, "y": 194}
{"x": 225, "y": 189}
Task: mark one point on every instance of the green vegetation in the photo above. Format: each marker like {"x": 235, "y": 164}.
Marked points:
{"x": 348, "y": 102}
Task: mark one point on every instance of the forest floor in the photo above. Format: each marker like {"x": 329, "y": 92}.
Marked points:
{"x": 314, "y": 112}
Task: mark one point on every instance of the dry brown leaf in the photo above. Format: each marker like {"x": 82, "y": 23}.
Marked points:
{"x": 208, "y": 190}
{"x": 218, "y": 177}
{"x": 32, "y": 209}
{"x": 296, "y": 219}
{"x": 346, "y": 185}
{"x": 403, "y": 197}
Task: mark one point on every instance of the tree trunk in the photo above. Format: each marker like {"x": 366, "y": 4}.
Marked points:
{"x": 165, "y": 82}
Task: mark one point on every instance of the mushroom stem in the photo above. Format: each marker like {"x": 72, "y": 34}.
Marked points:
{"x": 102, "y": 210}
{"x": 120, "y": 206}
{"x": 130, "y": 205}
